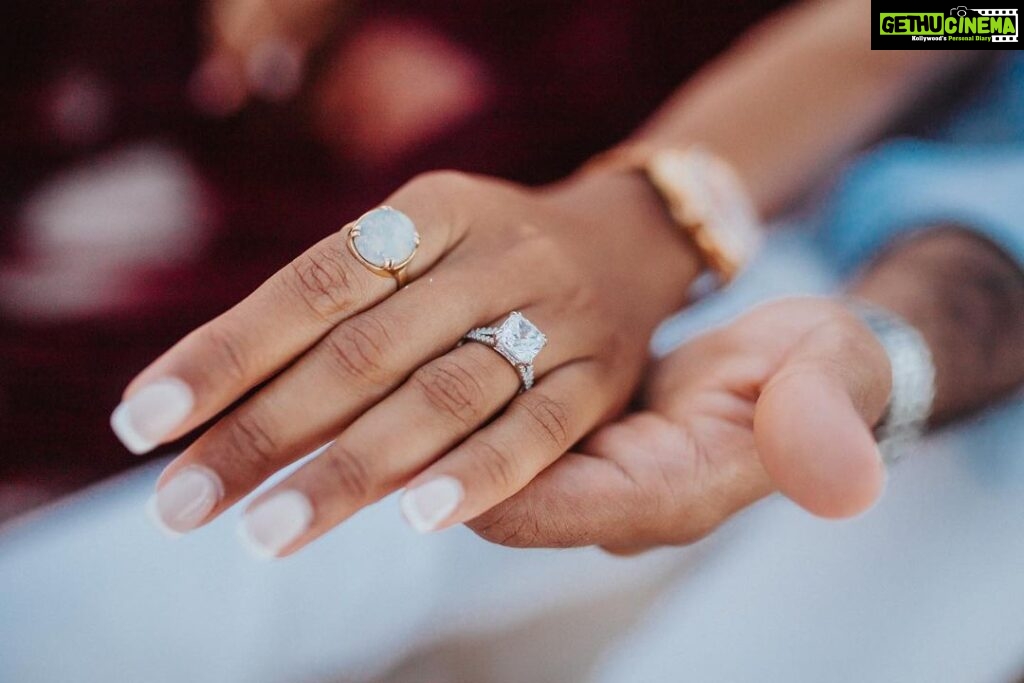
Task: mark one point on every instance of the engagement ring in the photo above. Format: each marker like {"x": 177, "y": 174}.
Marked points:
{"x": 517, "y": 340}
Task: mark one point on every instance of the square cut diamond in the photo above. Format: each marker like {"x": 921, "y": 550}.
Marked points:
{"x": 520, "y": 338}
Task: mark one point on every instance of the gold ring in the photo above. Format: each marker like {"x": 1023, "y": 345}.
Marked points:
{"x": 384, "y": 240}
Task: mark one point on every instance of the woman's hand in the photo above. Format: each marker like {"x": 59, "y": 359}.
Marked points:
{"x": 783, "y": 399}
{"x": 342, "y": 356}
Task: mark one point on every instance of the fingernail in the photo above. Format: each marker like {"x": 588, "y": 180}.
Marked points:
{"x": 275, "y": 523}
{"x": 186, "y": 500}
{"x": 151, "y": 413}
{"x": 427, "y": 506}
{"x": 274, "y": 70}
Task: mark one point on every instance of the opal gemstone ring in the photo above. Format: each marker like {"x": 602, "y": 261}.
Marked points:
{"x": 385, "y": 241}
{"x": 517, "y": 340}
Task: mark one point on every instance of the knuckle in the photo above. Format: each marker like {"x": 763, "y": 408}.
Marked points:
{"x": 645, "y": 504}
{"x": 582, "y": 296}
{"x": 349, "y": 474}
{"x": 498, "y": 466}
{"x": 508, "y": 525}
{"x": 325, "y": 281}
{"x": 530, "y": 234}
{"x": 549, "y": 418}
{"x": 683, "y": 518}
{"x": 441, "y": 181}
{"x": 452, "y": 389}
{"x": 532, "y": 244}
{"x": 442, "y": 195}
{"x": 359, "y": 348}
{"x": 228, "y": 349}
{"x": 250, "y": 441}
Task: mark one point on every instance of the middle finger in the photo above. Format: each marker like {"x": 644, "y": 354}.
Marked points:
{"x": 354, "y": 366}
{"x": 441, "y": 405}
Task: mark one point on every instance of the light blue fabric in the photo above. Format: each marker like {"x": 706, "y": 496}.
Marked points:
{"x": 970, "y": 174}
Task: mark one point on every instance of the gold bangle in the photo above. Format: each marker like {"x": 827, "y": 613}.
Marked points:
{"x": 702, "y": 193}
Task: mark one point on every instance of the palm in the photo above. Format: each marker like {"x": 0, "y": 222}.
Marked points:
{"x": 725, "y": 424}
{"x": 696, "y": 442}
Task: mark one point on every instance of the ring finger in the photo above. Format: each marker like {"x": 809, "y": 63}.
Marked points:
{"x": 439, "y": 406}
{"x": 353, "y": 367}
{"x": 217, "y": 363}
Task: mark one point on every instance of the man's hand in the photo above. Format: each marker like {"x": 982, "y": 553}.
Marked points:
{"x": 782, "y": 399}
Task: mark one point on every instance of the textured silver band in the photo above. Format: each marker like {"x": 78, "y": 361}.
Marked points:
{"x": 913, "y": 378}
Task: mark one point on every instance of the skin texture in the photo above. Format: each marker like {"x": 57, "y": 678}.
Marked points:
{"x": 343, "y": 356}
{"x": 594, "y": 261}
{"x": 967, "y": 299}
{"x": 780, "y": 400}
{"x": 801, "y": 87}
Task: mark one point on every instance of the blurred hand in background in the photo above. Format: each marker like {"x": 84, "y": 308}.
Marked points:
{"x": 258, "y": 48}
{"x": 389, "y": 86}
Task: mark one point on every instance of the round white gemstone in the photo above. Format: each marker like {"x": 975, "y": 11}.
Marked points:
{"x": 520, "y": 338}
{"x": 386, "y": 237}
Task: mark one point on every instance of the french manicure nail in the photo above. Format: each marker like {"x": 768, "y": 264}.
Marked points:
{"x": 275, "y": 523}
{"x": 428, "y": 505}
{"x": 185, "y": 501}
{"x": 143, "y": 420}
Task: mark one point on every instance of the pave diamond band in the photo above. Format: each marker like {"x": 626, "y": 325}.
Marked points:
{"x": 517, "y": 340}
{"x": 385, "y": 241}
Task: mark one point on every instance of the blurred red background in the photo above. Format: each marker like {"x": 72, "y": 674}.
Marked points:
{"x": 128, "y": 218}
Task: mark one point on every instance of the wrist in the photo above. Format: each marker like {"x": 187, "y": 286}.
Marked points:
{"x": 626, "y": 208}
{"x": 966, "y": 298}
{"x": 702, "y": 193}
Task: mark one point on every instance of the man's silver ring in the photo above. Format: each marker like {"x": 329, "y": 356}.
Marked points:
{"x": 517, "y": 340}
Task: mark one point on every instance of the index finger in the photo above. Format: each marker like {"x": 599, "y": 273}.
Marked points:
{"x": 217, "y": 363}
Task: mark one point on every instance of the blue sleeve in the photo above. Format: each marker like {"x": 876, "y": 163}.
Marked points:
{"x": 909, "y": 185}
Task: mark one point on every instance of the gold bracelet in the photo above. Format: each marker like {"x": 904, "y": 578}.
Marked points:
{"x": 704, "y": 196}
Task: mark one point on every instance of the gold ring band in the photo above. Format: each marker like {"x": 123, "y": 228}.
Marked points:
{"x": 390, "y": 241}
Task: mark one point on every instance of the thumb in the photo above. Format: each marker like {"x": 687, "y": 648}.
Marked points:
{"x": 813, "y": 419}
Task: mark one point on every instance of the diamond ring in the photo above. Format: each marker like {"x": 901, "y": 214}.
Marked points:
{"x": 385, "y": 241}
{"x": 517, "y": 340}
